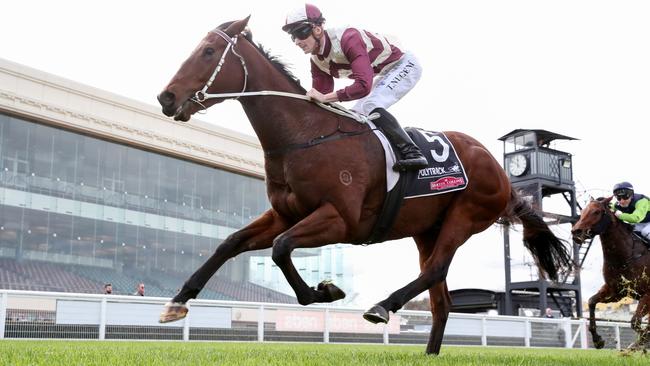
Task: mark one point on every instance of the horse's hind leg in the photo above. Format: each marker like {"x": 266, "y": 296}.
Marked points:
{"x": 257, "y": 235}
{"x": 440, "y": 305}
{"x": 643, "y": 308}
{"x": 603, "y": 295}
{"x": 438, "y": 295}
{"x": 321, "y": 227}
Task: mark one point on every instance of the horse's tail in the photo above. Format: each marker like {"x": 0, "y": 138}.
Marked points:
{"x": 549, "y": 252}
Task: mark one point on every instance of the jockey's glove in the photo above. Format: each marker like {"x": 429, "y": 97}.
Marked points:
{"x": 618, "y": 213}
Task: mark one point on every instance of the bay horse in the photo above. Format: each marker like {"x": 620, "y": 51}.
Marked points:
{"x": 626, "y": 266}
{"x": 326, "y": 182}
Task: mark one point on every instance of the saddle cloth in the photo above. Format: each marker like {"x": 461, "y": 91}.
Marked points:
{"x": 445, "y": 172}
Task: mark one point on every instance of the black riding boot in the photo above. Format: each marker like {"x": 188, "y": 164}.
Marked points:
{"x": 409, "y": 155}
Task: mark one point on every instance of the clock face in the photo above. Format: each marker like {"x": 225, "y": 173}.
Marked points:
{"x": 517, "y": 165}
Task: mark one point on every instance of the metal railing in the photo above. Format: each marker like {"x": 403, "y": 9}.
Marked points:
{"x": 53, "y": 315}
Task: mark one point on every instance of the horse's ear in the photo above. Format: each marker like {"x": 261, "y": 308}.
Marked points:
{"x": 237, "y": 27}
{"x": 607, "y": 200}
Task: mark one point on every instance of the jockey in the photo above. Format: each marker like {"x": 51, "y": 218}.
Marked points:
{"x": 632, "y": 208}
{"x": 359, "y": 55}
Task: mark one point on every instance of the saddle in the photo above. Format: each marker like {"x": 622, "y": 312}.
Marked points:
{"x": 643, "y": 239}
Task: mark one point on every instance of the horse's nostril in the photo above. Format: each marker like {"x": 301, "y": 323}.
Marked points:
{"x": 577, "y": 235}
{"x": 166, "y": 98}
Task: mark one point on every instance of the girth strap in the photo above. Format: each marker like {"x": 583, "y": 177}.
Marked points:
{"x": 389, "y": 210}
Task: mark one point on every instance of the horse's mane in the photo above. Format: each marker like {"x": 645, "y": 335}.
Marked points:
{"x": 274, "y": 60}
{"x": 602, "y": 201}
{"x": 627, "y": 228}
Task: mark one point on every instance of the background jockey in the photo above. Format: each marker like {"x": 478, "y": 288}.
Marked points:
{"x": 632, "y": 208}
{"x": 360, "y": 55}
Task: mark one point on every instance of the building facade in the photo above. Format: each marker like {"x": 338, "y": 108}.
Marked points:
{"x": 109, "y": 189}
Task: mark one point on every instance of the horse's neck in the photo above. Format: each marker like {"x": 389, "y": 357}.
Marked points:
{"x": 618, "y": 244}
{"x": 280, "y": 121}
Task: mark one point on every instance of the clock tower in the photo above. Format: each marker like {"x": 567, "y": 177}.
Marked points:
{"x": 538, "y": 172}
{"x": 534, "y": 167}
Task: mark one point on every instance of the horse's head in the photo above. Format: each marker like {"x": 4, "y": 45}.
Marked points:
{"x": 594, "y": 220}
{"x": 215, "y": 66}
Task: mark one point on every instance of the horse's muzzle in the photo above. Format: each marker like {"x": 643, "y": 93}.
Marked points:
{"x": 580, "y": 235}
{"x": 167, "y": 100}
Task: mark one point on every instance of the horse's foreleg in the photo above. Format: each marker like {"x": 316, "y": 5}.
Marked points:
{"x": 321, "y": 227}
{"x": 642, "y": 309}
{"x": 257, "y": 235}
{"x": 603, "y": 295}
{"x": 440, "y": 305}
{"x": 434, "y": 270}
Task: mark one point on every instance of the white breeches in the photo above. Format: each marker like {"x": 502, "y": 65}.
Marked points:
{"x": 391, "y": 85}
{"x": 643, "y": 228}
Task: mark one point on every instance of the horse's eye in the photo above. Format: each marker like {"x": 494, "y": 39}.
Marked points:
{"x": 208, "y": 51}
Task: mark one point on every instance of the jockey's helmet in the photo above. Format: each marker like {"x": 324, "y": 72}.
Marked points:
{"x": 304, "y": 17}
{"x": 623, "y": 190}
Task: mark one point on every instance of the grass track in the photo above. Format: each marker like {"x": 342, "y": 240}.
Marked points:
{"x": 53, "y": 353}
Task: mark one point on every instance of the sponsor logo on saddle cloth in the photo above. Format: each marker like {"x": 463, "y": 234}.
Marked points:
{"x": 445, "y": 172}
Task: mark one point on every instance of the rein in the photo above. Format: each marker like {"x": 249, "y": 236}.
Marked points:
{"x": 203, "y": 95}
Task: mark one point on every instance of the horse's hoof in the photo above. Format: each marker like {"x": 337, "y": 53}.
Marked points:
{"x": 376, "y": 314}
{"x": 636, "y": 346}
{"x": 173, "y": 311}
{"x": 599, "y": 344}
{"x": 625, "y": 352}
{"x": 332, "y": 292}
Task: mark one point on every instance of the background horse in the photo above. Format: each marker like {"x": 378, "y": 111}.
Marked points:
{"x": 325, "y": 177}
{"x": 626, "y": 265}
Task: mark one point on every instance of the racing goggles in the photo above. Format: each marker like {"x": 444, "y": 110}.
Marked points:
{"x": 301, "y": 32}
{"x": 622, "y": 195}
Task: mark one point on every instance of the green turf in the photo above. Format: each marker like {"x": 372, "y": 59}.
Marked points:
{"x": 52, "y": 353}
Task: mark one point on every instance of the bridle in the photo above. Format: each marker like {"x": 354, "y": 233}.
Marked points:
{"x": 598, "y": 228}
{"x": 202, "y": 95}
{"x": 602, "y": 225}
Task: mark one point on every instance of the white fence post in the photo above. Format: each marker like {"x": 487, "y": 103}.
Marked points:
{"x": 186, "y": 324}
{"x": 568, "y": 341}
{"x": 584, "y": 343}
{"x": 527, "y": 330}
{"x": 617, "y": 335}
{"x": 102, "y": 319}
{"x": 3, "y": 312}
{"x": 483, "y": 331}
{"x": 260, "y": 323}
{"x": 326, "y": 331}
{"x": 386, "y": 340}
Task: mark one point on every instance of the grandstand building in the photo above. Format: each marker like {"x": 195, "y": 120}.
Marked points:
{"x": 99, "y": 188}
